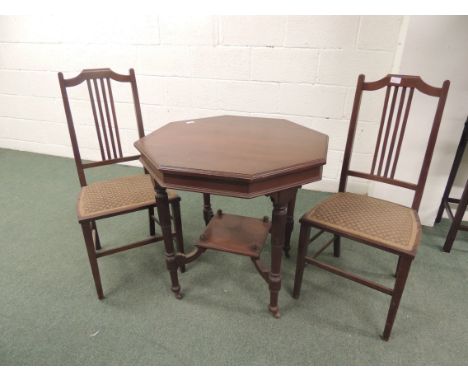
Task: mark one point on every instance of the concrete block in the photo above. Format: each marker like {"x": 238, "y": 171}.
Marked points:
{"x": 252, "y": 30}
{"x": 284, "y": 65}
{"x": 322, "y": 31}
{"x": 231, "y": 63}
{"x": 311, "y": 100}
{"x": 379, "y": 32}
{"x": 343, "y": 67}
{"x": 187, "y": 30}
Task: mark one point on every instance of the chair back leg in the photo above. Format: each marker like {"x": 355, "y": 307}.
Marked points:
{"x": 97, "y": 242}
{"x": 300, "y": 262}
{"x": 403, "y": 267}
{"x": 337, "y": 246}
{"x": 88, "y": 238}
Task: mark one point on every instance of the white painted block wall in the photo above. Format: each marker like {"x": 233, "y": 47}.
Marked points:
{"x": 302, "y": 68}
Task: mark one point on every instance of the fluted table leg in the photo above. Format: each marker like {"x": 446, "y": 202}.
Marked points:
{"x": 280, "y": 201}
{"x": 289, "y": 226}
{"x": 162, "y": 204}
{"x": 207, "y": 210}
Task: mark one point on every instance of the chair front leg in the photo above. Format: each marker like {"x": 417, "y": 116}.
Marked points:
{"x": 300, "y": 261}
{"x": 402, "y": 271}
{"x": 88, "y": 238}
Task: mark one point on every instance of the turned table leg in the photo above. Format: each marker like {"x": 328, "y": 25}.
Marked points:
{"x": 289, "y": 225}
{"x": 280, "y": 201}
{"x": 207, "y": 211}
{"x": 162, "y": 204}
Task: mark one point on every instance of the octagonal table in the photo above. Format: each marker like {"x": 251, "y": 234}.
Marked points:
{"x": 235, "y": 156}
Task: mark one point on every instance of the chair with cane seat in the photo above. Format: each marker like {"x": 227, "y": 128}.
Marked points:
{"x": 107, "y": 198}
{"x": 375, "y": 222}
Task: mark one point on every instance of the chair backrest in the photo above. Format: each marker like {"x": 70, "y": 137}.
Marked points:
{"x": 392, "y": 130}
{"x": 98, "y": 82}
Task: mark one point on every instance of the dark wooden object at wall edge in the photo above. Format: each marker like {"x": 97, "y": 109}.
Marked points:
{"x": 462, "y": 202}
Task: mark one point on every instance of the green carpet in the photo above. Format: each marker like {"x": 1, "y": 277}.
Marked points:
{"x": 49, "y": 313}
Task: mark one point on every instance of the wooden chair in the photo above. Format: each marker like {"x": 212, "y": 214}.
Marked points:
{"x": 375, "y": 222}
{"x": 104, "y": 199}
{"x": 446, "y": 199}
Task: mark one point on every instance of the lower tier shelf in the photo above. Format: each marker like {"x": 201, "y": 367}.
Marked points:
{"x": 235, "y": 234}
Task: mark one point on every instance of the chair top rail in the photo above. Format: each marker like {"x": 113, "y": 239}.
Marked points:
{"x": 404, "y": 81}
{"x": 89, "y": 74}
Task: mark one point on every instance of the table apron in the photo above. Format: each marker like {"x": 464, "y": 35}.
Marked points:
{"x": 233, "y": 188}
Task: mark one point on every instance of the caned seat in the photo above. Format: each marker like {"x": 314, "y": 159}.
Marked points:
{"x": 115, "y": 196}
{"x": 374, "y": 221}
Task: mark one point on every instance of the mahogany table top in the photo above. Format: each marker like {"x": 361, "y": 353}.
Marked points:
{"x": 234, "y": 155}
